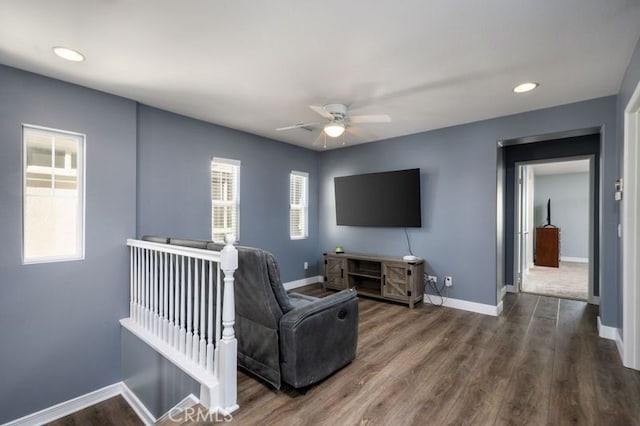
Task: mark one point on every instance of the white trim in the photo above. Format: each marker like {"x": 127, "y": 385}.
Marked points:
{"x": 503, "y": 292}
{"x": 81, "y": 402}
{"x": 228, "y": 161}
{"x": 65, "y": 408}
{"x": 136, "y": 405}
{"x": 619, "y": 343}
{"x": 511, "y": 288}
{"x": 81, "y": 191}
{"x": 606, "y": 332}
{"x": 574, "y": 259}
{"x": 631, "y": 233}
{"x": 170, "y": 353}
{"x": 465, "y": 305}
{"x": 187, "y": 402}
{"x": 301, "y": 283}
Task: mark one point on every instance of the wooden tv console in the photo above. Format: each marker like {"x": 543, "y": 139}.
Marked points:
{"x": 389, "y": 278}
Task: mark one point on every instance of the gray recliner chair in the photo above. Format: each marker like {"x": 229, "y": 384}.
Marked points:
{"x": 286, "y": 337}
{"x": 290, "y": 338}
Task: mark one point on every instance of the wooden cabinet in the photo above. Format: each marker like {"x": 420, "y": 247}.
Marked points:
{"x": 547, "y": 247}
{"x": 334, "y": 273}
{"x": 387, "y": 278}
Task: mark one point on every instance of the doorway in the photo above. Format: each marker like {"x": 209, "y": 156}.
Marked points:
{"x": 554, "y": 241}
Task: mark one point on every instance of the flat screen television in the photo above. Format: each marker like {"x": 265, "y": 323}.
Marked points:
{"x": 387, "y": 199}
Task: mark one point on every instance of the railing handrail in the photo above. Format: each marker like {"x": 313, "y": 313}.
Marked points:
{"x": 202, "y": 254}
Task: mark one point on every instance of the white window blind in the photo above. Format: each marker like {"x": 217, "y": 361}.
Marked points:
{"x": 53, "y": 195}
{"x": 299, "y": 205}
{"x": 225, "y": 198}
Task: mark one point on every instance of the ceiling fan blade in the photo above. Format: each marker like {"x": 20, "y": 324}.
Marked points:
{"x": 371, "y": 118}
{"x": 322, "y": 111}
{"x": 296, "y": 126}
{"x": 318, "y": 140}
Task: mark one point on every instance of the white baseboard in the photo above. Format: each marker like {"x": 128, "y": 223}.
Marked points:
{"x": 187, "y": 402}
{"x": 510, "y": 288}
{"x": 465, "y": 305}
{"x": 619, "y": 344}
{"x": 301, "y": 283}
{"x": 73, "y": 405}
{"x": 503, "y": 291}
{"x": 606, "y": 332}
{"x": 143, "y": 413}
{"x": 68, "y": 407}
{"x": 574, "y": 259}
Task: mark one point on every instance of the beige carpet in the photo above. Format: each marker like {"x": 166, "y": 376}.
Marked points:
{"x": 569, "y": 280}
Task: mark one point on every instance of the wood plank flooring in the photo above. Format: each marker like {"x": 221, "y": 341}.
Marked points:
{"x": 540, "y": 363}
{"x": 111, "y": 412}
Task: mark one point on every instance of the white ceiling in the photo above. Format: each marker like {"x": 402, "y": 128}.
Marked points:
{"x": 561, "y": 167}
{"x": 256, "y": 65}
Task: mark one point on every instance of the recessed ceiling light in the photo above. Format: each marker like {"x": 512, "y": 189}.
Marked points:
{"x": 525, "y": 87}
{"x": 68, "y": 54}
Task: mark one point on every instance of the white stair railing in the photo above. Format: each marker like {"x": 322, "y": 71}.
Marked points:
{"x": 176, "y": 308}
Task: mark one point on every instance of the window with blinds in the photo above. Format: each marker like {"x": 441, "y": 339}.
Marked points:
{"x": 225, "y": 199}
{"x": 53, "y": 195}
{"x": 299, "y": 205}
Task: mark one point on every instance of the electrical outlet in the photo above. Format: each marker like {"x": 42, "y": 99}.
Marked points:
{"x": 432, "y": 278}
{"x": 448, "y": 281}
{"x": 306, "y": 265}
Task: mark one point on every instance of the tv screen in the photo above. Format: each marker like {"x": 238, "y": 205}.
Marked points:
{"x": 388, "y": 199}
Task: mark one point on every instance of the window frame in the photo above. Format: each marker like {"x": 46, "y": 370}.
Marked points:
{"x": 304, "y": 206}
{"x": 82, "y": 176}
{"x": 235, "y": 163}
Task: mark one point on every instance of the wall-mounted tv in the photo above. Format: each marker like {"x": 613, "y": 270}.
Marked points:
{"x": 387, "y": 199}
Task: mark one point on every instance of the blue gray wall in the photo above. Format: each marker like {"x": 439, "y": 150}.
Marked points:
{"x": 174, "y": 185}
{"x": 157, "y": 382}
{"x": 459, "y": 197}
{"x": 629, "y": 83}
{"x": 569, "y": 194}
{"x": 59, "y": 321}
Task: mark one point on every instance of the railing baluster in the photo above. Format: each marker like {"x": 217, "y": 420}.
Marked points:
{"x": 132, "y": 283}
{"x": 158, "y": 288}
{"x": 209, "y": 365}
{"x": 176, "y": 306}
{"x": 147, "y": 304}
{"x": 189, "y": 342}
{"x": 203, "y": 344}
{"x": 170, "y": 294}
{"x": 140, "y": 285}
{"x": 165, "y": 319}
{"x": 183, "y": 331}
{"x": 218, "y": 304}
{"x": 154, "y": 289}
{"x": 196, "y": 306}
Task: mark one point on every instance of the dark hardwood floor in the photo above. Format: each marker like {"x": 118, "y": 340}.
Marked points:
{"x": 540, "y": 363}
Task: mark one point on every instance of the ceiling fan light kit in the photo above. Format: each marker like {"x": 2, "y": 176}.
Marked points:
{"x": 338, "y": 121}
{"x": 334, "y": 129}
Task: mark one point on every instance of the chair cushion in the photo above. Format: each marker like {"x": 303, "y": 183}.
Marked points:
{"x": 276, "y": 285}
{"x": 298, "y": 300}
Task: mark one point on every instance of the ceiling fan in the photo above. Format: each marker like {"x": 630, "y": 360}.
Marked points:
{"x": 338, "y": 120}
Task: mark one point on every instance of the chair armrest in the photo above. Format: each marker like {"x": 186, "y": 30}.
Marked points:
{"x": 295, "y": 316}
{"x": 319, "y": 338}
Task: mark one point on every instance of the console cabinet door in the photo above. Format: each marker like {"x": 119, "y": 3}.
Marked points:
{"x": 335, "y": 273}
{"x": 396, "y": 281}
